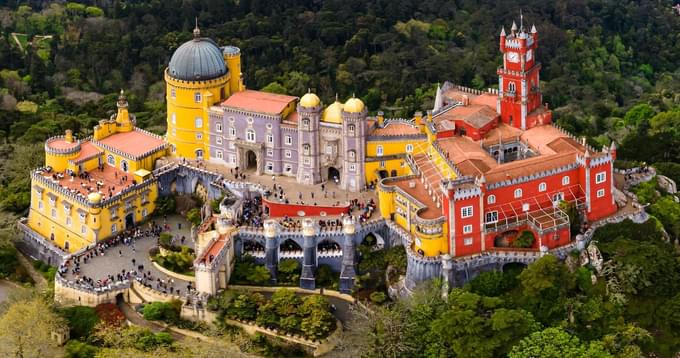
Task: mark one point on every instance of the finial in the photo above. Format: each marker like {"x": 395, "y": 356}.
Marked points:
{"x": 309, "y": 90}
{"x": 503, "y": 31}
{"x": 521, "y": 21}
{"x": 197, "y": 32}
{"x": 336, "y": 96}
{"x": 514, "y": 27}
{"x": 353, "y": 95}
{"x": 533, "y": 29}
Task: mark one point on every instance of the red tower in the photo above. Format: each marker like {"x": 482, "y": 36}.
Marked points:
{"x": 519, "y": 93}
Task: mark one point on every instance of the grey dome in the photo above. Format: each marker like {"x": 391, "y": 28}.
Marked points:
{"x": 197, "y": 60}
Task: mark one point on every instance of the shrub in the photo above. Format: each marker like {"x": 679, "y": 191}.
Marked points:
{"x": 81, "y": 320}
{"x": 148, "y": 341}
{"x": 325, "y": 277}
{"x": 77, "y": 349}
{"x": 8, "y": 260}
{"x": 378, "y": 297}
{"x": 259, "y": 275}
{"x": 524, "y": 240}
{"x": 165, "y": 241}
{"x": 161, "y": 311}
{"x": 180, "y": 262}
{"x": 492, "y": 283}
{"x": 110, "y": 314}
{"x": 166, "y": 205}
{"x": 289, "y": 271}
{"x": 194, "y": 216}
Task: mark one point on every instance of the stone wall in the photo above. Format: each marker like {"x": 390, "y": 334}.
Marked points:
{"x": 69, "y": 293}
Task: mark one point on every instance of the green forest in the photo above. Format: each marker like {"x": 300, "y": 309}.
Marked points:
{"x": 610, "y": 72}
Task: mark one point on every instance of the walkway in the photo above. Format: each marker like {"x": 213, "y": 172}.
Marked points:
{"x": 113, "y": 263}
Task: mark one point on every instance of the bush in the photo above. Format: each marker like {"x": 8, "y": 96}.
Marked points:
{"x": 148, "y": 341}
{"x": 162, "y": 311}
{"x": 180, "y": 262}
{"x": 166, "y": 205}
{"x": 77, "y": 349}
{"x": 259, "y": 275}
{"x": 524, "y": 240}
{"x": 378, "y": 297}
{"x": 81, "y": 320}
{"x": 289, "y": 271}
{"x": 492, "y": 283}
{"x": 8, "y": 260}
{"x": 194, "y": 216}
{"x": 165, "y": 241}
{"x": 325, "y": 277}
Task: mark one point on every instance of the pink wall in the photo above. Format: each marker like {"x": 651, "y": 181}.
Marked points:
{"x": 281, "y": 209}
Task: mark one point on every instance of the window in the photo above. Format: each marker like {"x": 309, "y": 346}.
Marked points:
{"x": 40, "y": 205}
{"x": 542, "y": 187}
{"x": 270, "y": 152}
{"x": 491, "y": 199}
{"x": 467, "y": 229}
{"x": 511, "y": 87}
{"x": 269, "y": 126}
{"x": 518, "y": 193}
{"x": 466, "y": 212}
{"x": 305, "y": 123}
{"x": 565, "y": 180}
{"x": 218, "y": 127}
{"x": 124, "y": 165}
{"x": 288, "y": 168}
{"x": 270, "y": 138}
{"x": 174, "y": 132}
{"x": 198, "y": 122}
{"x": 288, "y": 154}
{"x": 174, "y": 118}
{"x": 409, "y": 148}
{"x": 467, "y": 241}
{"x": 249, "y": 119}
{"x": 232, "y": 158}
{"x": 114, "y": 228}
{"x": 66, "y": 245}
{"x": 173, "y": 95}
{"x": 111, "y": 160}
{"x": 68, "y": 221}
{"x": 145, "y": 212}
{"x": 269, "y": 167}
{"x": 197, "y": 97}
{"x": 83, "y": 229}
{"x": 199, "y": 135}
{"x": 382, "y": 163}
{"x": 558, "y": 197}
{"x": 288, "y": 140}
{"x": 350, "y": 129}
{"x": 352, "y": 167}
{"x": 306, "y": 161}
{"x": 54, "y": 212}
{"x": 600, "y": 193}
{"x": 219, "y": 154}
{"x": 491, "y": 217}
{"x": 250, "y": 135}
{"x": 351, "y": 154}
{"x": 305, "y": 149}
{"x": 232, "y": 132}
{"x": 232, "y": 145}
{"x": 600, "y": 177}
{"x": 379, "y": 150}
{"x": 218, "y": 140}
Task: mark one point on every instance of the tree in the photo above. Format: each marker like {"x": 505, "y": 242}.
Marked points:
{"x": 26, "y": 329}
{"x": 289, "y": 270}
{"x": 545, "y": 284}
{"x": 286, "y": 302}
{"x": 161, "y": 311}
{"x": 259, "y": 275}
{"x": 554, "y": 342}
{"x": 317, "y": 324}
{"x": 491, "y": 283}
{"x": 81, "y": 320}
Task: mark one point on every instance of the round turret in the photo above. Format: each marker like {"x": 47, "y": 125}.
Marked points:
{"x": 197, "y": 60}
{"x": 94, "y": 198}
{"x": 271, "y": 228}
{"x": 308, "y": 227}
{"x": 310, "y": 100}
{"x": 349, "y": 226}
{"x": 354, "y": 105}
{"x": 333, "y": 113}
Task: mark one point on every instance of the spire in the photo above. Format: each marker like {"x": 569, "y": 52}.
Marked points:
{"x": 521, "y": 21}
{"x": 438, "y": 100}
{"x": 533, "y": 29}
{"x": 336, "y": 96}
{"x": 122, "y": 100}
{"x": 197, "y": 31}
{"x": 613, "y": 146}
{"x": 513, "y": 29}
{"x": 503, "y": 31}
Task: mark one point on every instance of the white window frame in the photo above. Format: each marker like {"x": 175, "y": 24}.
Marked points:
{"x": 352, "y": 167}
{"x": 542, "y": 187}
{"x": 491, "y": 217}
{"x": 173, "y": 94}
{"x": 600, "y": 177}
{"x": 83, "y": 229}
{"x": 467, "y": 229}
{"x": 468, "y": 241}
{"x": 173, "y": 118}
{"x": 288, "y": 140}
{"x": 409, "y": 148}
{"x": 467, "y": 212}
{"x": 111, "y": 160}
{"x": 382, "y": 163}
{"x": 269, "y": 167}
{"x": 218, "y": 140}
{"x": 491, "y": 199}
{"x": 68, "y": 221}
{"x": 124, "y": 164}
{"x": 565, "y": 180}
{"x": 351, "y": 128}
{"x": 198, "y": 97}
{"x": 199, "y": 135}
{"x": 53, "y": 213}
{"x": 114, "y": 228}
{"x": 600, "y": 193}
{"x": 219, "y": 154}
{"x": 518, "y": 193}
{"x": 288, "y": 154}
{"x": 250, "y": 135}
{"x": 288, "y": 168}
{"x": 270, "y": 138}
{"x": 270, "y": 152}
{"x": 379, "y": 151}
{"x": 218, "y": 127}
{"x": 198, "y": 122}
{"x": 232, "y": 132}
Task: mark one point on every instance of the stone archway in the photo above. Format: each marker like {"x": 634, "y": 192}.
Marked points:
{"x": 250, "y": 160}
{"x": 334, "y": 175}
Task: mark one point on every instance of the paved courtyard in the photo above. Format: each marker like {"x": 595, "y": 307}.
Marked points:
{"x": 113, "y": 263}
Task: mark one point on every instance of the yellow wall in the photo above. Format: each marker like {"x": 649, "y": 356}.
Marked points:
{"x": 373, "y": 167}
{"x": 42, "y": 221}
{"x": 183, "y": 133}
{"x": 393, "y": 147}
{"x": 59, "y": 162}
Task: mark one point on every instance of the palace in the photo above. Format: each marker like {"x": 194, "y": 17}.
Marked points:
{"x": 477, "y": 173}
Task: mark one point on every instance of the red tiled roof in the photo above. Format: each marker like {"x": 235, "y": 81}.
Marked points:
{"x": 61, "y": 144}
{"x": 529, "y": 166}
{"x": 421, "y": 194}
{"x": 134, "y": 143}
{"x": 396, "y": 128}
{"x": 476, "y": 115}
{"x": 257, "y": 101}
{"x": 87, "y": 151}
{"x": 111, "y": 177}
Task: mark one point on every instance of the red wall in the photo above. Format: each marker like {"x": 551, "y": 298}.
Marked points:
{"x": 474, "y": 220}
{"x": 281, "y": 209}
{"x": 601, "y": 207}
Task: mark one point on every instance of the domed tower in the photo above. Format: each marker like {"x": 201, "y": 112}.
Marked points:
{"x": 309, "y": 154}
{"x": 199, "y": 75}
{"x": 354, "y": 143}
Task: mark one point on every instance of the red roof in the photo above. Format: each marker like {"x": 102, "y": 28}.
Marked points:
{"x": 110, "y": 177}
{"x": 257, "y": 101}
{"x": 134, "y": 143}
{"x": 87, "y": 151}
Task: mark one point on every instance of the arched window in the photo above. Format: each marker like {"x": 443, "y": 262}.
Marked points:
{"x": 111, "y": 160}
{"x": 565, "y": 180}
{"x": 124, "y": 165}
{"x": 350, "y": 129}
{"x": 409, "y": 148}
{"x": 511, "y": 87}
{"x": 199, "y": 153}
{"x": 199, "y": 122}
{"x": 305, "y": 148}
{"x": 218, "y": 127}
{"x": 518, "y": 193}
{"x": 172, "y": 93}
{"x": 305, "y": 123}
{"x": 174, "y": 118}
{"x": 232, "y": 132}
{"x": 197, "y": 97}
{"x": 250, "y": 135}
{"x": 491, "y": 199}
{"x": 379, "y": 150}
{"x": 351, "y": 154}
{"x": 542, "y": 187}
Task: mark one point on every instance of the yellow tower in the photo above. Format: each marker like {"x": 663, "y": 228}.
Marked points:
{"x": 124, "y": 123}
{"x": 199, "y": 75}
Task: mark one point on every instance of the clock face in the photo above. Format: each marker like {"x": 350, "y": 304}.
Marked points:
{"x": 513, "y": 57}
{"x": 530, "y": 55}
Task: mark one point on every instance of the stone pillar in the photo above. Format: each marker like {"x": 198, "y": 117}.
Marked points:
{"x": 309, "y": 231}
{"x": 448, "y": 275}
{"x": 271, "y": 229}
{"x": 347, "y": 272}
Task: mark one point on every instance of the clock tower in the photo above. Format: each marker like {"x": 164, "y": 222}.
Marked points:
{"x": 519, "y": 93}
